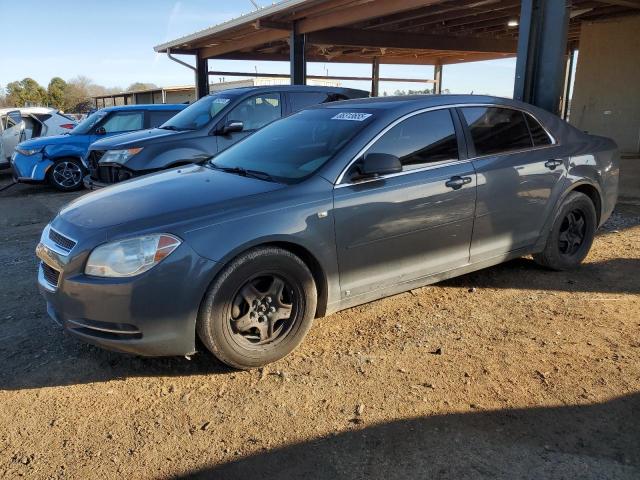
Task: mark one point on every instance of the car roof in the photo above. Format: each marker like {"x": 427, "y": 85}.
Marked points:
{"x": 150, "y": 106}
{"x": 28, "y": 110}
{"x": 290, "y": 88}
{"x": 413, "y": 102}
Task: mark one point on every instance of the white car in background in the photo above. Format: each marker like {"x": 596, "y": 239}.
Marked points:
{"x": 20, "y": 124}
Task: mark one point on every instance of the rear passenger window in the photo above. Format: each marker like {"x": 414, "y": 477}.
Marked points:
{"x": 123, "y": 122}
{"x": 301, "y": 100}
{"x": 158, "y": 117}
{"x": 497, "y": 130}
{"x": 420, "y": 140}
{"x": 538, "y": 134}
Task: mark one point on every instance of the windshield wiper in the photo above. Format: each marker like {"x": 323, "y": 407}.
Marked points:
{"x": 170, "y": 127}
{"x": 245, "y": 172}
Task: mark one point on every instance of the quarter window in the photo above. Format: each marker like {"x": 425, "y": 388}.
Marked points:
{"x": 497, "y": 130}
{"x": 538, "y": 134}
{"x": 257, "y": 111}
{"x": 420, "y": 140}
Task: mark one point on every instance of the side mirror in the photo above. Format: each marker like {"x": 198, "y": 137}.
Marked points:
{"x": 101, "y": 131}
{"x": 376, "y": 164}
{"x": 232, "y": 126}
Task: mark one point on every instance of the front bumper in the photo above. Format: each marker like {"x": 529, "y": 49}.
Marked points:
{"x": 30, "y": 168}
{"x": 152, "y": 314}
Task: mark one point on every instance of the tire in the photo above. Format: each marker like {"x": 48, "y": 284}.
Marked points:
{"x": 242, "y": 317}
{"x": 66, "y": 174}
{"x": 571, "y": 236}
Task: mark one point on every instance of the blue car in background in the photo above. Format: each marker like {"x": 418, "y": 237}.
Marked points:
{"x": 61, "y": 160}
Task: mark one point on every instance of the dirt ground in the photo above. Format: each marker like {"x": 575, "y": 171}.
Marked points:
{"x": 510, "y": 372}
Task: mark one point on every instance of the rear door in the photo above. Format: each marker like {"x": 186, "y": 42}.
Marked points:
{"x": 254, "y": 112}
{"x": 404, "y": 226}
{"x": 516, "y": 178}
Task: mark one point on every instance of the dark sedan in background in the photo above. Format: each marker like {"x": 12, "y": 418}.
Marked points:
{"x": 205, "y": 128}
{"x": 328, "y": 208}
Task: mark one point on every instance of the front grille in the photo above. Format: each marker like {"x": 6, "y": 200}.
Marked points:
{"x": 106, "y": 173}
{"x": 50, "y": 274}
{"x": 62, "y": 242}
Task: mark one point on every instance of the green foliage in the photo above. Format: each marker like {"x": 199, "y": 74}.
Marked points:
{"x": 57, "y": 93}
{"x": 26, "y": 92}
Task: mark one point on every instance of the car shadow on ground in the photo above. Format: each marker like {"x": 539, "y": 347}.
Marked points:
{"x": 584, "y": 441}
{"x": 615, "y": 276}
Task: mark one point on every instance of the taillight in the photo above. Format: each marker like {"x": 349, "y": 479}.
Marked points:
{"x": 68, "y": 126}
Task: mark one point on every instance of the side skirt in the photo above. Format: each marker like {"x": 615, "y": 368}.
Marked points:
{"x": 423, "y": 281}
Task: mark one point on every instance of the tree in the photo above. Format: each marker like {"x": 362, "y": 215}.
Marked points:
{"x": 26, "y": 92}
{"x": 140, "y": 86}
{"x": 57, "y": 91}
{"x": 78, "y": 94}
{"x": 3, "y": 98}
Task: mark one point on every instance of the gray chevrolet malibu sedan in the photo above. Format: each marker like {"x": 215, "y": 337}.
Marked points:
{"x": 329, "y": 208}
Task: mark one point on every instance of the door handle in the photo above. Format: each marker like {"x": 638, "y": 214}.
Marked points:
{"x": 457, "y": 182}
{"x": 552, "y": 164}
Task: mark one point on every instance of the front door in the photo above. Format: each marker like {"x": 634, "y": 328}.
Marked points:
{"x": 13, "y": 125}
{"x": 412, "y": 224}
{"x": 518, "y": 178}
{"x": 254, "y": 112}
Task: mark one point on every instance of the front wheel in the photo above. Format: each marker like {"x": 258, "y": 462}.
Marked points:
{"x": 258, "y": 309}
{"x": 66, "y": 174}
{"x": 571, "y": 235}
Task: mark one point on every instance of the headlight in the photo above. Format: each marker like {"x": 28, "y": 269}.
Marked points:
{"x": 119, "y": 156}
{"x": 28, "y": 151}
{"x": 130, "y": 257}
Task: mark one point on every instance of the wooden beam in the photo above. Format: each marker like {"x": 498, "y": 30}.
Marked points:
{"x": 262, "y": 24}
{"x": 360, "y": 12}
{"x": 623, "y": 3}
{"x": 248, "y": 41}
{"x": 369, "y": 38}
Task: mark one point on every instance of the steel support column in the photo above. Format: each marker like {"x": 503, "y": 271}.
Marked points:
{"x": 375, "y": 77}
{"x": 568, "y": 79}
{"x": 297, "y": 57}
{"x": 437, "y": 76}
{"x": 202, "y": 77}
{"x": 542, "y": 45}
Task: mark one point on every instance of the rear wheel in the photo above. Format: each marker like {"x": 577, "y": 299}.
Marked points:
{"x": 66, "y": 174}
{"x": 258, "y": 309}
{"x": 572, "y": 234}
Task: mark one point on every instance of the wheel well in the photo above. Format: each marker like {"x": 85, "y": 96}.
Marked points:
{"x": 316, "y": 270}
{"x": 591, "y": 192}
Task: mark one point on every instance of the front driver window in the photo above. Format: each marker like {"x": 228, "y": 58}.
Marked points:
{"x": 124, "y": 122}
{"x": 257, "y": 111}
{"x": 418, "y": 141}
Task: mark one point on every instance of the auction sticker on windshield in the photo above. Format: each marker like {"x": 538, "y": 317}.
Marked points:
{"x": 353, "y": 116}
{"x": 220, "y": 100}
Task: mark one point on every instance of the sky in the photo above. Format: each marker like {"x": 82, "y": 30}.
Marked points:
{"x": 112, "y": 43}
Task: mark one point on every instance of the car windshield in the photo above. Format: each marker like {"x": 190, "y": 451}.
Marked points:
{"x": 88, "y": 123}
{"x": 199, "y": 114}
{"x": 291, "y": 149}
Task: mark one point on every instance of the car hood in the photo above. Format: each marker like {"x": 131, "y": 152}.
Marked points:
{"x": 133, "y": 139}
{"x": 160, "y": 200}
{"x": 53, "y": 140}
